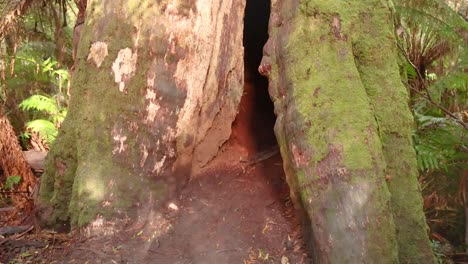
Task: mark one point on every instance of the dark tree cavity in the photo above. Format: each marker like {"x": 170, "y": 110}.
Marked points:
{"x": 253, "y": 127}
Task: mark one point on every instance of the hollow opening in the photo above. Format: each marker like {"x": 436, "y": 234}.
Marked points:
{"x": 253, "y": 127}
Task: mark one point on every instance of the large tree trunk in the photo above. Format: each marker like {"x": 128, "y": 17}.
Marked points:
{"x": 344, "y": 128}
{"x": 157, "y": 87}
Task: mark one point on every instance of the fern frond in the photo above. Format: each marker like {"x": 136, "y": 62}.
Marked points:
{"x": 440, "y": 143}
{"x": 40, "y": 103}
{"x": 425, "y": 121}
{"x": 44, "y": 128}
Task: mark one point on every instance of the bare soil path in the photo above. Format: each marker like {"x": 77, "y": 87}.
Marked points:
{"x": 233, "y": 212}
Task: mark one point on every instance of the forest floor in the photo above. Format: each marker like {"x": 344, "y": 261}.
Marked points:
{"x": 233, "y": 212}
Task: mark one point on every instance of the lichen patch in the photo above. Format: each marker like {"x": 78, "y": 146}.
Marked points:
{"x": 97, "y": 53}
{"x": 124, "y": 67}
{"x": 336, "y": 28}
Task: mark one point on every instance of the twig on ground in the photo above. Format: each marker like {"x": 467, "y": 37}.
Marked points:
{"x": 227, "y": 250}
{"x": 23, "y": 233}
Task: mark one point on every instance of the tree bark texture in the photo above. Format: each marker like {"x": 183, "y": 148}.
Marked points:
{"x": 13, "y": 163}
{"x": 156, "y": 88}
{"x": 344, "y": 130}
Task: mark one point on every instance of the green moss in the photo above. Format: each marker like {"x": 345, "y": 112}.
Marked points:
{"x": 376, "y": 60}
{"x": 97, "y": 181}
{"x": 325, "y": 111}
{"x": 327, "y": 87}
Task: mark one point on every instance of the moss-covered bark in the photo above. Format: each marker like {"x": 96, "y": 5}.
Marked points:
{"x": 376, "y": 61}
{"x": 151, "y": 80}
{"x": 336, "y": 154}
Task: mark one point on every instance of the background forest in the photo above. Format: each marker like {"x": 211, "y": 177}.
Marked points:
{"x": 36, "y": 64}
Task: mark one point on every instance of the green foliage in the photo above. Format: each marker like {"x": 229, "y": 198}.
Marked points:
{"x": 440, "y": 144}
{"x": 432, "y": 38}
{"x": 429, "y": 21}
{"x": 35, "y": 55}
{"x": 59, "y": 75}
{"x": 46, "y": 128}
{"x": 48, "y": 113}
{"x": 438, "y": 250}
{"x": 11, "y": 181}
{"x": 40, "y": 103}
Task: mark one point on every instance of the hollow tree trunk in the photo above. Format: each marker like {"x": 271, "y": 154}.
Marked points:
{"x": 157, "y": 87}
{"x": 155, "y": 91}
{"x": 344, "y": 129}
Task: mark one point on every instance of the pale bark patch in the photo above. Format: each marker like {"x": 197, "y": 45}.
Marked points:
{"x": 158, "y": 165}
{"x": 119, "y": 139}
{"x": 97, "y": 53}
{"x": 152, "y": 107}
{"x": 336, "y": 28}
{"x": 300, "y": 159}
{"x": 124, "y": 67}
{"x": 330, "y": 167}
{"x": 144, "y": 157}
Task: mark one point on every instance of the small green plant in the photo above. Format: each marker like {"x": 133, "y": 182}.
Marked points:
{"x": 11, "y": 181}
{"x": 59, "y": 76}
{"x": 438, "y": 249}
{"x": 8, "y": 185}
{"x": 24, "y": 257}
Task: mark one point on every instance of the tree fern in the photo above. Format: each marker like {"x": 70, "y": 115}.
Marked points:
{"x": 40, "y": 103}
{"x": 428, "y": 31}
{"x": 46, "y": 129}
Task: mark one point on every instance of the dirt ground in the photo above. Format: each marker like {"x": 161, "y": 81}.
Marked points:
{"x": 234, "y": 212}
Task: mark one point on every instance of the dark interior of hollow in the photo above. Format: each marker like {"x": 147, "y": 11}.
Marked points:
{"x": 253, "y": 127}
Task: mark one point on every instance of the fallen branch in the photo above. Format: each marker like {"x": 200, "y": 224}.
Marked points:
{"x": 262, "y": 156}
{"x": 22, "y": 234}
{"x": 9, "y": 230}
